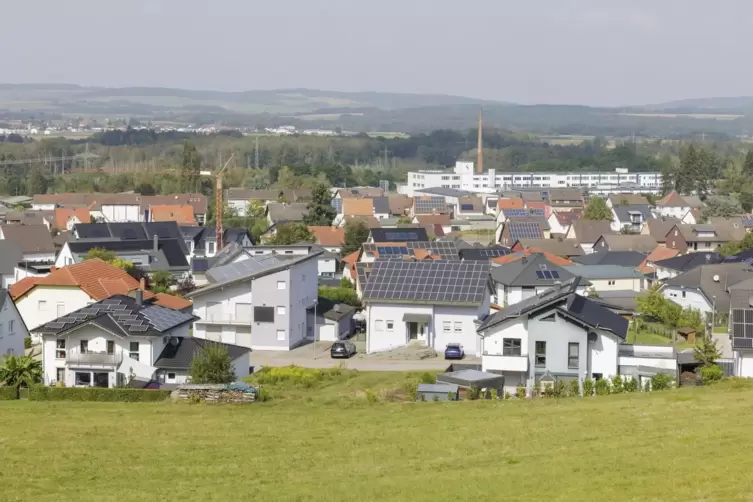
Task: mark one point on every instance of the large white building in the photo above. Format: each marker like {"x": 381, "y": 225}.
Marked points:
{"x": 464, "y": 177}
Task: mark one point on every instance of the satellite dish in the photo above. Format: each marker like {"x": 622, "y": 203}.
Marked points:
{"x": 174, "y": 341}
{"x": 716, "y": 278}
{"x": 592, "y": 336}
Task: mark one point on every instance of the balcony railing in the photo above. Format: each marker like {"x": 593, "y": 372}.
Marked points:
{"x": 499, "y": 362}
{"x": 226, "y": 319}
{"x": 77, "y": 357}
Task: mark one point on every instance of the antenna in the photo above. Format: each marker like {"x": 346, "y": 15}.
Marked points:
{"x": 480, "y": 147}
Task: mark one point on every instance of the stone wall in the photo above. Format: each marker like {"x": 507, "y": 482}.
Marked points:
{"x": 212, "y": 394}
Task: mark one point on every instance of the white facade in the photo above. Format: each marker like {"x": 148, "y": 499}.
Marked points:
{"x": 509, "y": 295}
{"x": 685, "y": 297}
{"x": 625, "y": 284}
{"x": 226, "y": 315}
{"x": 122, "y": 212}
{"x": 672, "y": 211}
{"x": 46, "y": 303}
{"x": 463, "y": 177}
{"x": 743, "y": 363}
{"x": 12, "y": 329}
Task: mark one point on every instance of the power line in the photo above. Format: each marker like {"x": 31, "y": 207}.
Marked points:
{"x": 44, "y": 160}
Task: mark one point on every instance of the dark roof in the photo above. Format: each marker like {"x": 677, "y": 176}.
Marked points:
{"x": 483, "y": 254}
{"x": 619, "y": 242}
{"x": 381, "y": 205}
{"x": 128, "y": 231}
{"x": 450, "y": 282}
{"x": 32, "y": 238}
{"x": 173, "y": 251}
{"x": 399, "y": 234}
{"x": 623, "y": 212}
{"x": 622, "y": 258}
{"x": 566, "y": 300}
{"x": 713, "y": 281}
{"x": 534, "y": 270}
{"x": 333, "y": 310}
{"x": 122, "y": 316}
{"x": 180, "y": 351}
{"x": 10, "y": 255}
{"x": 683, "y": 263}
{"x": 659, "y": 228}
{"x": 745, "y": 255}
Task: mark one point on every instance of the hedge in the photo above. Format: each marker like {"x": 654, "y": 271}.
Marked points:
{"x": 41, "y": 393}
{"x": 8, "y": 394}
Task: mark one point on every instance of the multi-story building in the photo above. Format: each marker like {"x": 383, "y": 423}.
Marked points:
{"x": 464, "y": 177}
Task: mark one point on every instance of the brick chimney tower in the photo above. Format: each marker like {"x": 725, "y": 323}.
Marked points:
{"x": 480, "y": 147}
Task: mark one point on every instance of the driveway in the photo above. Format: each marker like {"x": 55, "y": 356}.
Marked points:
{"x": 724, "y": 344}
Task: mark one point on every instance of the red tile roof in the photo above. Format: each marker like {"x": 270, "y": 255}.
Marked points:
{"x": 63, "y": 214}
{"x": 328, "y": 236}
{"x": 178, "y": 213}
{"x": 659, "y": 253}
{"x": 510, "y": 258}
{"x": 510, "y": 204}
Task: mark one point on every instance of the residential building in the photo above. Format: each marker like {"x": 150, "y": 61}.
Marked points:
{"x": 566, "y": 199}
{"x": 658, "y": 228}
{"x": 261, "y": 304}
{"x": 431, "y": 303}
{"x": 181, "y": 214}
{"x": 334, "y": 320}
{"x": 692, "y": 217}
{"x": 626, "y": 199}
{"x": 617, "y": 242}
{"x": 516, "y": 229}
{"x": 630, "y": 259}
{"x": 35, "y": 240}
{"x": 559, "y": 333}
{"x": 12, "y": 327}
{"x": 631, "y": 217}
{"x": 329, "y": 238}
{"x": 483, "y": 253}
{"x": 648, "y": 265}
{"x": 279, "y": 213}
{"x": 46, "y": 218}
{"x": 11, "y": 255}
{"x": 703, "y": 238}
{"x": 567, "y": 248}
{"x": 469, "y": 206}
{"x": 518, "y": 255}
{"x": 527, "y": 277}
{"x": 587, "y": 232}
{"x": 706, "y": 287}
{"x": 327, "y": 261}
{"x": 400, "y": 205}
{"x": 67, "y": 217}
{"x": 201, "y": 242}
{"x": 108, "y": 343}
{"x": 672, "y": 267}
{"x": 239, "y": 198}
{"x": 379, "y": 235}
{"x": 560, "y": 221}
{"x": 609, "y": 277}
{"x": 174, "y": 362}
{"x": 672, "y": 205}
{"x": 741, "y": 331}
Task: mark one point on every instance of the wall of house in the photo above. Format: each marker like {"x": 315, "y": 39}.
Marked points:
{"x": 675, "y": 240}
{"x": 121, "y": 212}
{"x": 384, "y": 339}
{"x": 64, "y": 257}
{"x": 455, "y": 318}
{"x": 327, "y": 267}
{"x": 604, "y": 355}
{"x": 588, "y": 247}
{"x": 666, "y": 273}
{"x": 39, "y": 257}
{"x": 627, "y": 284}
{"x": 687, "y": 298}
{"x": 12, "y": 329}
{"x": 224, "y": 318}
{"x": 744, "y": 364}
{"x": 557, "y": 334}
{"x": 674, "y": 212}
{"x": 46, "y": 303}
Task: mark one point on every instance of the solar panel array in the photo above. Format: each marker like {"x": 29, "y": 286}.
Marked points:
{"x": 524, "y": 230}
{"x": 387, "y": 251}
{"x": 466, "y": 207}
{"x": 164, "y": 319}
{"x": 338, "y": 205}
{"x": 547, "y": 274}
{"x": 493, "y": 252}
{"x": 449, "y": 282}
{"x": 444, "y": 249}
{"x": 512, "y": 213}
{"x": 430, "y": 204}
{"x": 400, "y": 236}
{"x": 742, "y": 328}
{"x": 242, "y": 268}
{"x": 362, "y": 269}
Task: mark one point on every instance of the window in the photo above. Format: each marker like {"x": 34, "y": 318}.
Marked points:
{"x": 83, "y": 378}
{"x": 458, "y": 327}
{"x": 171, "y": 377}
{"x": 280, "y": 284}
{"x": 280, "y": 335}
{"x": 41, "y": 305}
{"x": 611, "y": 283}
{"x": 61, "y": 309}
{"x": 390, "y": 325}
{"x": 683, "y": 294}
{"x": 60, "y": 375}
{"x": 447, "y": 326}
{"x": 540, "y": 359}
{"x": 511, "y": 347}
{"x": 133, "y": 351}
{"x": 211, "y": 247}
{"x": 110, "y": 347}
{"x": 60, "y": 349}
{"x": 573, "y": 355}
{"x": 84, "y": 346}
{"x": 378, "y": 325}
{"x": 11, "y": 326}
{"x": 280, "y": 310}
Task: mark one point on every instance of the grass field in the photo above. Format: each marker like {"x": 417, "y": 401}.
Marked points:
{"x": 327, "y": 443}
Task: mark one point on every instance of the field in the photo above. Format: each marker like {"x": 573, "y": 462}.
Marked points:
{"x": 707, "y": 116}
{"x": 329, "y": 443}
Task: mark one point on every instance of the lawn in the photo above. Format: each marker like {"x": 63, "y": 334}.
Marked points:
{"x": 328, "y": 443}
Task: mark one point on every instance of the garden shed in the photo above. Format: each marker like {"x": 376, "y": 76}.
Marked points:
{"x": 438, "y": 392}
{"x": 465, "y": 379}
{"x": 687, "y": 334}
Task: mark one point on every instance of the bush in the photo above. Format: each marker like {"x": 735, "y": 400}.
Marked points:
{"x": 371, "y": 396}
{"x": 520, "y": 392}
{"x": 688, "y": 378}
{"x": 8, "y": 393}
{"x": 427, "y": 377}
{"x": 574, "y": 388}
{"x": 262, "y": 394}
{"x": 617, "y": 384}
{"x": 473, "y": 393}
{"x": 602, "y": 387}
{"x": 559, "y": 389}
{"x": 630, "y": 384}
{"x": 295, "y": 375}
{"x": 711, "y": 374}
{"x": 660, "y": 381}
{"x": 41, "y": 393}
{"x": 588, "y": 387}
{"x": 494, "y": 394}
{"x": 27, "y": 342}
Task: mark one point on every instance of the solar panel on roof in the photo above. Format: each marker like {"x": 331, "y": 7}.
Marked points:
{"x": 338, "y": 205}
{"x": 430, "y": 204}
{"x": 401, "y": 236}
{"x": 524, "y": 230}
{"x": 392, "y": 250}
{"x": 466, "y": 207}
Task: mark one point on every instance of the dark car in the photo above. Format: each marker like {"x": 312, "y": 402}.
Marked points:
{"x": 454, "y": 351}
{"x": 343, "y": 348}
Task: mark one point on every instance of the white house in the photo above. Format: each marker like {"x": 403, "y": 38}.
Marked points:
{"x": 672, "y": 205}
{"x": 112, "y": 342}
{"x": 609, "y": 277}
{"x": 706, "y": 287}
{"x": 741, "y": 331}
{"x": 431, "y": 303}
{"x": 12, "y": 327}
{"x": 261, "y": 304}
{"x": 559, "y": 333}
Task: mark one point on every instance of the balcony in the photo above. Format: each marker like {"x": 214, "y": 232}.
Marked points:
{"x": 499, "y": 362}
{"x": 226, "y": 319}
{"x": 79, "y": 358}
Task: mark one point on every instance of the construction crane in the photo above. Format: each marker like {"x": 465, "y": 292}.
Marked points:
{"x": 218, "y": 200}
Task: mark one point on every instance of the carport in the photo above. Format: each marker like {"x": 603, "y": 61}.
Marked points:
{"x": 465, "y": 379}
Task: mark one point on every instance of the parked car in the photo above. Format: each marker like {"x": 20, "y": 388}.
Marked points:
{"x": 454, "y": 351}
{"x": 343, "y": 348}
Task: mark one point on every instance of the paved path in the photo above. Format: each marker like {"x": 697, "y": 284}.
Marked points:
{"x": 724, "y": 344}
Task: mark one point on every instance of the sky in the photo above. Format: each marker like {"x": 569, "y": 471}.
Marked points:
{"x": 592, "y": 52}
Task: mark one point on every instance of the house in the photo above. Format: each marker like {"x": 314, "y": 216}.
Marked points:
{"x": 35, "y": 240}
{"x": 507, "y": 214}
{"x": 379, "y": 235}
{"x": 108, "y": 343}
{"x": 559, "y": 332}
{"x": 518, "y": 255}
{"x": 441, "y": 219}
{"x": 560, "y": 221}
{"x": 121, "y": 207}
{"x": 42, "y": 299}
{"x": 587, "y": 232}
{"x": 510, "y": 203}
{"x": 279, "y": 213}
{"x": 349, "y": 266}
{"x": 13, "y": 330}
{"x": 400, "y": 205}
{"x": 429, "y": 204}
{"x": 327, "y": 261}
{"x": 174, "y": 362}
{"x": 202, "y": 241}
{"x": 469, "y": 206}
{"x": 67, "y": 217}
{"x": 428, "y": 302}
{"x": 376, "y": 207}
{"x": 238, "y": 198}
{"x": 483, "y": 253}
{"x": 703, "y": 237}
{"x": 692, "y": 217}
{"x": 672, "y": 205}
{"x": 648, "y": 265}
{"x": 741, "y": 332}
{"x": 672, "y": 267}
{"x": 515, "y": 230}
{"x": 334, "y": 320}
{"x": 658, "y": 228}
{"x": 631, "y": 217}
{"x": 181, "y": 214}
{"x": 567, "y": 248}
{"x": 263, "y": 305}
{"x": 527, "y": 277}
{"x": 46, "y": 218}
{"x": 706, "y": 288}
{"x": 565, "y": 199}
{"x": 330, "y": 238}
{"x": 630, "y": 259}
{"x": 11, "y": 255}
{"x": 626, "y": 199}
{"x": 617, "y": 242}
{"x": 609, "y": 277}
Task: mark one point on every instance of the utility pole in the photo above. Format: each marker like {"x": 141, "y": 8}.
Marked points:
{"x": 480, "y": 147}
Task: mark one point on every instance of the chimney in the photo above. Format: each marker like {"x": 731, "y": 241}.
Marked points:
{"x": 480, "y": 147}
{"x": 142, "y": 284}
{"x": 155, "y": 239}
{"x": 139, "y": 296}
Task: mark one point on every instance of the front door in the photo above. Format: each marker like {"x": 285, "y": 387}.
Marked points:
{"x": 101, "y": 379}
{"x": 413, "y": 331}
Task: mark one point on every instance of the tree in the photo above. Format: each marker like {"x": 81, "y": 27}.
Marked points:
{"x": 190, "y": 167}
{"x": 20, "y": 371}
{"x": 404, "y": 220}
{"x": 256, "y": 209}
{"x": 291, "y": 233}
{"x": 707, "y": 352}
{"x": 320, "y": 210}
{"x": 161, "y": 281}
{"x": 720, "y": 207}
{"x": 340, "y": 295}
{"x": 109, "y": 257}
{"x": 627, "y": 230}
{"x": 597, "y": 209}
{"x": 748, "y": 164}
{"x": 356, "y": 233}
{"x": 286, "y": 178}
{"x": 212, "y": 365}
{"x": 37, "y": 183}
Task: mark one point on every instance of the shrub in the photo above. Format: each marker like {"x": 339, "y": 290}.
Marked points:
{"x": 473, "y": 393}
{"x": 520, "y": 392}
{"x": 262, "y": 394}
{"x": 711, "y": 374}
{"x": 8, "y": 393}
{"x": 602, "y": 387}
{"x": 27, "y": 342}
{"x": 630, "y": 384}
{"x": 588, "y": 387}
{"x": 617, "y": 384}
{"x": 688, "y": 378}
{"x": 295, "y": 375}
{"x": 212, "y": 365}
{"x": 560, "y": 389}
{"x": 660, "y": 381}
{"x": 41, "y": 393}
{"x": 574, "y": 388}
{"x": 495, "y": 394}
{"x": 371, "y": 396}
{"x": 647, "y": 386}
{"x": 507, "y": 396}
{"x": 427, "y": 377}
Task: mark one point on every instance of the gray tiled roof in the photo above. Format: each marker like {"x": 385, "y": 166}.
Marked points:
{"x": 714, "y": 281}
{"x": 589, "y": 231}
{"x": 623, "y": 212}
{"x": 179, "y": 353}
{"x": 618, "y": 242}
{"x": 286, "y": 212}
{"x": 10, "y": 255}
{"x": 32, "y": 238}
{"x": 523, "y": 272}
{"x": 381, "y": 205}
{"x": 622, "y": 258}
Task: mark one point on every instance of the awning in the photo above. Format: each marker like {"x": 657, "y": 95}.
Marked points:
{"x": 416, "y": 318}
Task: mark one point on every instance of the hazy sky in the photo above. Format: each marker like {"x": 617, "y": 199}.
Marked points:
{"x": 529, "y": 51}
